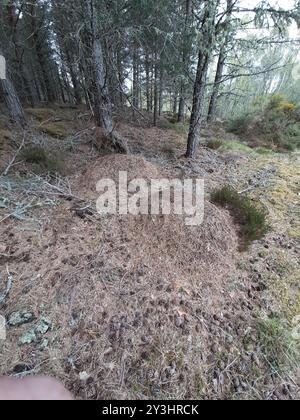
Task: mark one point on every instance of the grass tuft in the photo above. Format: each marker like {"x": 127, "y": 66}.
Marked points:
{"x": 277, "y": 344}
{"x": 253, "y": 220}
{"x": 236, "y": 146}
{"x": 42, "y": 161}
{"x": 215, "y": 144}
{"x": 180, "y": 129}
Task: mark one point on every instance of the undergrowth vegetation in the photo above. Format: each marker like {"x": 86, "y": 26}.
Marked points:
{"x": 277, "y": 344}
{"x": 42, "y": 161}
{"x": 252, "y": 219}
{"x": 273, "y": 124}
{"x": 180, "y": 129}
{"x": 215, "y": 144}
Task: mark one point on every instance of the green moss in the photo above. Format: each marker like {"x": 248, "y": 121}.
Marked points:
{"x": 263, "y": 151}
{"x": 57, "y": 130}
{"x": 236, "y": 146}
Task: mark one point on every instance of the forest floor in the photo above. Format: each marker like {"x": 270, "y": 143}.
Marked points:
{"x": 145, "y": 307}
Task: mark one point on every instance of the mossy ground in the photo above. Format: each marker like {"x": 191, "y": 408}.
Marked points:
{"x": 282, "y": 199}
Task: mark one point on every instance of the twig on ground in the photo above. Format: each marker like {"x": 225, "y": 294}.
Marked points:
{"x": 15, "y": 156}
{"x": 246, "y": 190}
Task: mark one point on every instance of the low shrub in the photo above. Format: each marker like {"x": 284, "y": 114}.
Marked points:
{"x": 240, "y": 125}
{"x": 275, "y": 125}
{"x": 42, "y": 161}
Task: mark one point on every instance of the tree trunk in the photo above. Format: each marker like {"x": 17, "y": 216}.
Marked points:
{"x": 198, "y": 105}
{"x": 181, "y": 110}
{"x": 148, "y": 82}
{"x": 101, "y": 98}
{"x": 156, "y": 93}
{"x": 12, "y": 102}
{"x": 39, "y": 48}
{"x": 74, "y": 79}
{"x": 206, "y": 48}
{"x": 212, "y": 111}
{"x": 135, "y": 85}
{"x": 161, "y": 90}
{"x": 120, "y": 78}
{"x": 175, "y": 103}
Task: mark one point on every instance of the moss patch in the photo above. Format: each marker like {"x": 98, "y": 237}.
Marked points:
{"x": 235, "y": 146}
{"x": 41, "y": 114}
{"x": 58, "y": 130}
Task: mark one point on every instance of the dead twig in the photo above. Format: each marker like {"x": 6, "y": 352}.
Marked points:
{"x": 246, "y": 190}
{"x": 15, "y": 156}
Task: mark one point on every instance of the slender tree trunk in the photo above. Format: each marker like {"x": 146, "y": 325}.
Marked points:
{"x": 135, "y": 85}
{"x": 101, "y": 99}
{"x": 181, "y": 110}
{"x": 75, "y": 83}
{"x": 31, "y": 89}
{"x": 40, "y": 54}
{"x": 102, "y": 109}
{"x": 148, "y": 82}
{"x": 175, "y": 103}
{"x": 198, "y": 102}
{"x": 156, "y": 93}
{"x": 212, "y": 111}
{"x": 152, "y": 84}
{"x": 161, "y": 90}
{"x": 206, "y": 48}
{"x": 120, "y": 78}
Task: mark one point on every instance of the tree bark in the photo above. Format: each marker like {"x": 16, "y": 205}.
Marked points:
{"x": 206, "y": 48}
{"x": 74, "y": 79}
{"x": 135, "y": 85}
{"x": 101, "y": 98}
{"x": 212, "y": 111}
{"x": 198, "y": 102}
{"x": 175, "y": 104}
{"x": 181, "y": 110}
{"x": 12, "y": 102}
{"x": 161, "y": 90}
{"x": 156, "y": 93}
{"x": 51, "y": 97}
{"x": 148, "y": 82}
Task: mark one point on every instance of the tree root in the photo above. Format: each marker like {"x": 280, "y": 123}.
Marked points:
{"x": 112, "y": 142}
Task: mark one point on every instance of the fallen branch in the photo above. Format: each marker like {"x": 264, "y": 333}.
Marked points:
{"x": 247, "y": 190}
{"x": 15, "y": 156}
